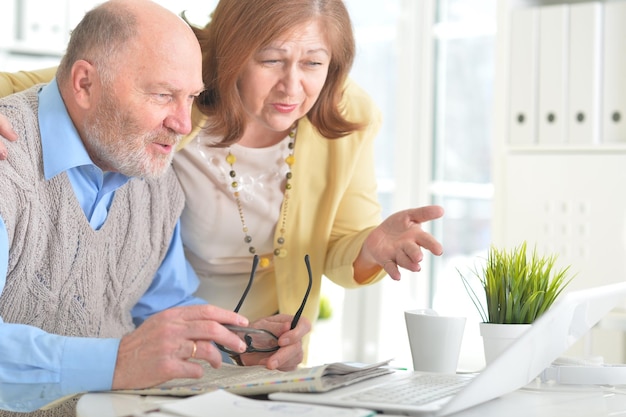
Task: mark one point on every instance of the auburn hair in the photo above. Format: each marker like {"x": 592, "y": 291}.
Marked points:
{"x": 239, "y": 28}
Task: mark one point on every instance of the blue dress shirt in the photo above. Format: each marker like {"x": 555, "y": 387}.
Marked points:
{"x": 38, "y": 367}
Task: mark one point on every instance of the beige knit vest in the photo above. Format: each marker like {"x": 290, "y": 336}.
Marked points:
{"x": 63, "y": 276}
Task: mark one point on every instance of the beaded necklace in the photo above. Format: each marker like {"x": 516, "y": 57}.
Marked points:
{"x": 279, "y": 249}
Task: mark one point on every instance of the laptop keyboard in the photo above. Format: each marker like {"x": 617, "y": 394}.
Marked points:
{"x": 417, "y": 390}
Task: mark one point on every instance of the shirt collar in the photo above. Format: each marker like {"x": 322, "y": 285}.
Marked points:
{"x": 61, "y": 145}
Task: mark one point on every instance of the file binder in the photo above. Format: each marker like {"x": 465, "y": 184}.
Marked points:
{"x": 614, "y": 73}
{"x": 584, "y": 80}
{"x": 553, "y": 74}
{"x": 523, "y": 77}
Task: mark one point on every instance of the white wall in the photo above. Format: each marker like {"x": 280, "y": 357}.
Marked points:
{"x": 561, "y": 189}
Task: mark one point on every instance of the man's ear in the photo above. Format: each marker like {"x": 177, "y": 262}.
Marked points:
{"x": 85, "y": 83}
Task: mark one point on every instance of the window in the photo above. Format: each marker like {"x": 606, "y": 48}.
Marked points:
{"x": 464, "y": 38}
{"x": 429, "y": 65}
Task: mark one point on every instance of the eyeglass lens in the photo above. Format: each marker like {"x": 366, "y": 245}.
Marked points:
{"x": 257, "y": 340}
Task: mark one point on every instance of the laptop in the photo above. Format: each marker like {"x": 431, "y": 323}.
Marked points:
{"x": 570, "y": 317}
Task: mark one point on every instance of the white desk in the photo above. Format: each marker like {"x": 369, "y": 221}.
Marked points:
{"x": 534, "y": 400}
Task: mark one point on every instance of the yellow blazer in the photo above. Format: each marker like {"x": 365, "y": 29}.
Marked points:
{"x": 333, "y": 203}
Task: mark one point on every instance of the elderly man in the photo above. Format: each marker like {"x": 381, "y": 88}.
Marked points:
{"x": 95, "y": 293}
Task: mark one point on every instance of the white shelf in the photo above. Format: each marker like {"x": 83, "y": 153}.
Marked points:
{"x": 611, "y": 148}
{"x": 21, "y": 48}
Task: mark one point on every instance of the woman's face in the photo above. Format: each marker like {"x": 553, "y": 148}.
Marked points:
{"x": 281, "y": 82}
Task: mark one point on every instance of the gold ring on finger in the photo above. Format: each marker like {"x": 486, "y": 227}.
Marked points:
{"x": 194, "y": 350}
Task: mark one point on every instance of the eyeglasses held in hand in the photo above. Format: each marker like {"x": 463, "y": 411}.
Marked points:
{"x": 261, "y": 340}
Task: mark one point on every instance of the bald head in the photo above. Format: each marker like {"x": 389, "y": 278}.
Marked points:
{"x": 117, "y": 26}
{"x": 151, "y": 19}
{"x": 149, "y": 15}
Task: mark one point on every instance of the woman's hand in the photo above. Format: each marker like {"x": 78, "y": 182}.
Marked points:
{"x": 7, "y": 132}
{"x": 398, "y": 242}
{"x": 291, "y": 351}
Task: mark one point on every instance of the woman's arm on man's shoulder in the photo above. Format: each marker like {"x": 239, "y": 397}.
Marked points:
{"x": 12, "y": 82}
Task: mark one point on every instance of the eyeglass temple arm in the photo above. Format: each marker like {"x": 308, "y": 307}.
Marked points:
{"x": 294, "y": 322}
{"x": 255, "y": 262}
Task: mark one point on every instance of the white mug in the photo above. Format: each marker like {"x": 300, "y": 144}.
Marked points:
{"x": 435, "y": 340}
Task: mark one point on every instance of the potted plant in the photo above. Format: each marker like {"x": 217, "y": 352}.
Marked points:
{"x": 517, "y": 289}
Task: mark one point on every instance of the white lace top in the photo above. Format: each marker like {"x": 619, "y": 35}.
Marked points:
{"x": 211, "y": 226}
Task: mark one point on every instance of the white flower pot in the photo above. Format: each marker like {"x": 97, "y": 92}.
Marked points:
{"x": 497, "y": 337}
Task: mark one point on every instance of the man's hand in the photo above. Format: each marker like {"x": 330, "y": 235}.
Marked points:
{"x": 159, "y": 349}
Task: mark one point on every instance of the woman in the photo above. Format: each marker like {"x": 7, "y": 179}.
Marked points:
{"x": 281, "y": 163}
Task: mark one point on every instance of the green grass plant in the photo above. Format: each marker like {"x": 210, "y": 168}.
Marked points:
{"x": 518, "y": 288}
